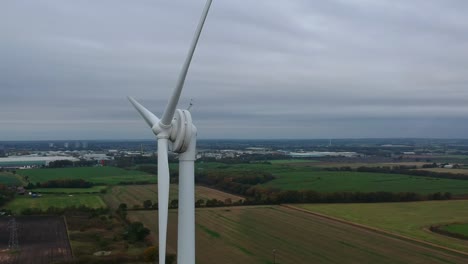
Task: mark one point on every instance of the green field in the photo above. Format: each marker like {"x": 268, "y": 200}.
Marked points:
{"x": 346, "y": 181}
{"x": 51, "y": 200}
{"x": 96, "y": 175}
{"x": 93, "y": 189}
{"x": 410, "y": 219}
{"x": 9, "y": 179}
{"x": 461, "y": 229}
{"x": 250, "y": 234}
{"x": 310, "y": 175}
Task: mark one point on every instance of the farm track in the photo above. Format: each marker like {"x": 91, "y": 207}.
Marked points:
{"x": 249, "y": 234}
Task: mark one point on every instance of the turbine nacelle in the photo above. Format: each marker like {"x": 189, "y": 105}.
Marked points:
{"x": 179, "y": 132}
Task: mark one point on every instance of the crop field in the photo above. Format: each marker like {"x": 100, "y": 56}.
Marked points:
{"x": 42, "y": 240}
{"x": 410, "y": 219}
{"x": 250, "y": 234}
{"x": 54, "y": 200}
{"x": 332, "y": 181}
{"x": 135, "y": 194}
{"x": 9, "y": 179}
{"x": 97, "y": 175}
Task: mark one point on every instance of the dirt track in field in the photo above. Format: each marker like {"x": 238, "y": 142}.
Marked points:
{"x": 249, "y": 234}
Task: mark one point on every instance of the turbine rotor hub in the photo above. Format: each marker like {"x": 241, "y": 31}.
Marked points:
{"x": 182, "y": 130}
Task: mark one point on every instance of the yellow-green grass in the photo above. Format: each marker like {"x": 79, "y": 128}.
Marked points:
{"x": 346, "y": 181}
{"x": 93, "y": 189}
{"x": 461, "y": 229}
{"x": 9, "y": 179}
{"x": 97, "y": 175}
{"x": 135, "y": 195}
{"x": 54, "y": 200}
{"x": 250, "y": 234}
{"x": 410, "y": 219}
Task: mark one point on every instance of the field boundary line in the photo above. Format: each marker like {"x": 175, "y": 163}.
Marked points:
{"x": 68, "y": 236}
{"x": 380, "y": 231}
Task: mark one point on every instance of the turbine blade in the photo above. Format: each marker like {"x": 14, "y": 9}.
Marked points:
{"x": 163, "y": 196}
{"x": 149, "y": 117}
{"x": 172, "y": 104}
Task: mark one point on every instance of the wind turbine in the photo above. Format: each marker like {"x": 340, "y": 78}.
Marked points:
{"x": 176, "y": 130}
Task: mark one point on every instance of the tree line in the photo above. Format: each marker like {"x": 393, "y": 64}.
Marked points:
{"x": 61, "y": 183}
{"x": 233, "y": 182}
{"x": 404, "y": 169}
{"x": 272, "y": 196}
{"x": 69, "y": 163}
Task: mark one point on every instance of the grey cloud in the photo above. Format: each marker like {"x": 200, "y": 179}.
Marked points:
{"x": 288, "y": 69}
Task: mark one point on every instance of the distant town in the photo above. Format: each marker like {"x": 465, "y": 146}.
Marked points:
{"x": 36, "y": 154}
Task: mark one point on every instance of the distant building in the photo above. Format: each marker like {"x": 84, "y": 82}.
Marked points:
{"x": 27, "y": 162}
{"x": 20, "y": 190}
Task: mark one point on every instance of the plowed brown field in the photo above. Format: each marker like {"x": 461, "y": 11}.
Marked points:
{"x": 41, "y": 240}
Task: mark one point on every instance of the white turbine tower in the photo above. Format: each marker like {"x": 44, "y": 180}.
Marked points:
{"x": 176, "y": 130}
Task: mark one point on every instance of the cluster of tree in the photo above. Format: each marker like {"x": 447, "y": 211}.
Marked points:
{"x": 261, "y": 196}
{"x": 402, "y": 169}
{"x": 69, "y": 163}
{"x": 62, "y": 183}
{"x": 133, "y": 182}
{"x": 233, "y": 182}
{"x": 218, "y": 203}
{"x": 6, "y": 194}
{"x": 127, "y": 162}
{"x": 135, "y": 232}
{"x": 60, "y": 211}
{"x": 148, "y": 168}
{"x": 272, "y": 196}
{"x": 60, "y": 164}
{"x": 122, "y": 211}
{"x": 245, "y": 159}
{"x": 430, "y": 165}
{"x": 151, "y": 254}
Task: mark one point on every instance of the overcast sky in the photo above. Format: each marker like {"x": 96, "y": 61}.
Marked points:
{"x": 262, "y": 69}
